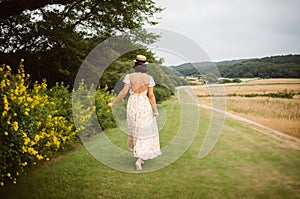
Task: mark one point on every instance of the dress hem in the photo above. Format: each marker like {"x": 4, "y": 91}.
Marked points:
{"x": 148, "y": 156}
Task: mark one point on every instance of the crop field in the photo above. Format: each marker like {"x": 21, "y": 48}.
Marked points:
{"x": 281, "y": 114}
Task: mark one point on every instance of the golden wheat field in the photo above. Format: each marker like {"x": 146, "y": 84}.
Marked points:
{"x": 277, "y": 113}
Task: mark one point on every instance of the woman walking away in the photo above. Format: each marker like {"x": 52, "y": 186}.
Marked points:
{"x": 143, "y": 137}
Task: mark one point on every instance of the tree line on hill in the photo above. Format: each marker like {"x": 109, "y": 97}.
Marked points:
{"x": 285, "y": 66}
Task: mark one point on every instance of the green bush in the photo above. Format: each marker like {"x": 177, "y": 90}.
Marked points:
{"x": 104, "y": 113}
{"x": 236, "y": 80}
{"x": 225, "y": 81}
{"x": 89, "y": 102}
{"x": 161, "y": 93}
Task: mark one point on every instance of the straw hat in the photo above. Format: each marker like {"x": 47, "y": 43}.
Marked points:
{"x": 141, "y": 59}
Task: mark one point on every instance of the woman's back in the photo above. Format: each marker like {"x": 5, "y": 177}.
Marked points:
{"x": 139, "y": 82}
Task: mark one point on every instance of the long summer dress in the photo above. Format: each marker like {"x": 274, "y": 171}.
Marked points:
{"x": 143, "y": 137}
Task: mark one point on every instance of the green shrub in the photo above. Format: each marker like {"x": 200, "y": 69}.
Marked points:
{"x": 236, "y": 80}
{"x": 224, "y": 81}
{"x": 104, "y": 113}
{"x": 86, "y": 102}
{"x": 161, "y": 93}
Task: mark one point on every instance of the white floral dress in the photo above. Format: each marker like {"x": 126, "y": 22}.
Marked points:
{"x": 143, "y": 137}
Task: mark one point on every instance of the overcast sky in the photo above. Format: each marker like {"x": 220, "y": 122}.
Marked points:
{"x": 234, "y": 29}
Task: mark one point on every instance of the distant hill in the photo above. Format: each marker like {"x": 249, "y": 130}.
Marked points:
{"x": 285, "y": 66}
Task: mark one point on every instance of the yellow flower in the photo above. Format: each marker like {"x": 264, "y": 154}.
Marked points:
{"x": 26, "y": 140}
{"x": 48, "y": 144}
{"x": 44, "y": 84}
{"x": 16, "y": 92}
{"x": 4, "y": 113}
{"x": 15, "y": 126}
{"x": 56, "y": 141}
{"x": 38, "y": 123}
{"x": 37, "y": 138}
{"x": 6, "y": 133}
{"x": 2, "y": 84}
{"x": 24, "y": 164}
{"x": 26, "y": 113}
{"x": 6, "y": 104}
{"x": 47, "y": 159}
{"x": 8, "y": 175}
{"x": 32, "y": 151}
{"x": 24, "y": 150}
{"x": 39, "y": 157}
{"x": 2, "y": 184}
{"x": 7, "y": 82}
{"x": 8, "y": 67}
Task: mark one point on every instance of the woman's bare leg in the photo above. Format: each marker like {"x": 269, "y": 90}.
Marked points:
{"x": 139, "y": 163}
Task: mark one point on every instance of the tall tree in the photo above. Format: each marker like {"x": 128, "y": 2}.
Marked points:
{"x": 54, "y": 36}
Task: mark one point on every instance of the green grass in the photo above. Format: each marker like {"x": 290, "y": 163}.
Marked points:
{"x": 243, "y": 164}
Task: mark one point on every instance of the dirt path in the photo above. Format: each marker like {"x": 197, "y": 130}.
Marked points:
{"x": 279, "y": 138}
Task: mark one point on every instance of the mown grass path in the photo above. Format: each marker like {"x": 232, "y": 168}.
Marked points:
{"x": 243, "y": 164}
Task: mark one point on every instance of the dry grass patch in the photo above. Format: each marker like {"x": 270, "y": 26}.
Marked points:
{"x": 280, "y": 114}
{"x": 261, "y": 89}
{"x": 273, "y": 81}
{"x": 241, "y": 89}
{"x": 277, "y": 113}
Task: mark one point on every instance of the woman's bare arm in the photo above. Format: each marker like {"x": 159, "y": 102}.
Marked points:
{"x": 152, "y": 100}
{"x": 120, "y": 96}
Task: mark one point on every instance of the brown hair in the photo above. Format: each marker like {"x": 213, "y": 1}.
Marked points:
{"x": 138, "y": 67}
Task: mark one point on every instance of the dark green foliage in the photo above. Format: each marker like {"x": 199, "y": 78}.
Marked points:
{"x": 236, "y": 80}
{"x": 285, "y": 94}
{"x": 225, "y": 81}
{"x": 196, "y": 69}
{"x": 286, "y": 66}
{"x": 210, "y": 78}
{"x": 55, "y": 39}
{"x": 104, "y": 114}
{"x": 161, "y": 93}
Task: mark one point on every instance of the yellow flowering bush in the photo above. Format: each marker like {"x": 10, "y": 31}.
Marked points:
{"x": 90, "y": 109}
{"x": 104, "y": 114}
{"x": 35, "y": 122}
